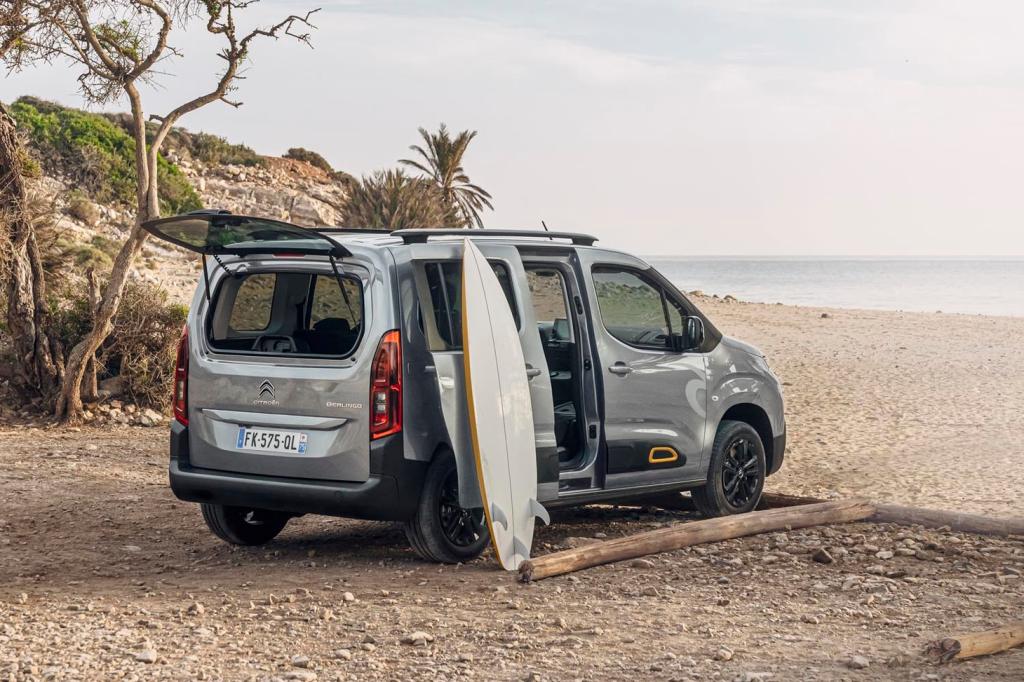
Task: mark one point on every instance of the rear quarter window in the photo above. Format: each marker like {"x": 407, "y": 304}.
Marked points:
{"x": 444, "y": 284}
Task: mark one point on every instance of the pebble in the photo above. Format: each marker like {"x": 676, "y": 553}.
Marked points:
{"x": 418, "y": 638}
{"x": 858, "y": 662}
{"x": 348, "y": 597}
{"x": 146, "y": 656}
{"x": 574, "y": 542}
{"x": 641, "y": 563}
{"x": 822, "y": 556}
{"x": 301, "y": 675}
{"x": 754, "y": 677}
{"x": 343, "y": 654}
{"x": 724, "y": 654}
{"x": 300, "y": 661}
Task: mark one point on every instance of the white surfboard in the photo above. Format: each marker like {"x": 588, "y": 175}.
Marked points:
{"x": 500, "y": 411}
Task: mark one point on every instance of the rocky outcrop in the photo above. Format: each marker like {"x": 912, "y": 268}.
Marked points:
{"x": 283, "y": 189}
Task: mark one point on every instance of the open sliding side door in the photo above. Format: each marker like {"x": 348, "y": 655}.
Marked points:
{"x": 437, "y": 271}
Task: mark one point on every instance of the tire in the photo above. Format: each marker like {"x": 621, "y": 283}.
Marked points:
{"x": 737, "y": 448}
{"x": 242, "y": 525}
{"x": 441, "y": 530}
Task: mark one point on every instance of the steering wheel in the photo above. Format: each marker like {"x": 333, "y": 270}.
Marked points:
{"x": 274, "y": 343}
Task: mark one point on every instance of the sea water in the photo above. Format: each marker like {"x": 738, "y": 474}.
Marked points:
{"x": 973, "y": 286}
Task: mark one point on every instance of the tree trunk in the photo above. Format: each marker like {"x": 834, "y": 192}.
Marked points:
{"x": 90, "y": 387}
{"x": 38, "y": 366}
{"x": 69, "y": 402}
{"x": 693, "y": 533}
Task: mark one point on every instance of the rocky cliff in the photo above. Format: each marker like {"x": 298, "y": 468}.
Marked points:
{"x": 285, "y": 189}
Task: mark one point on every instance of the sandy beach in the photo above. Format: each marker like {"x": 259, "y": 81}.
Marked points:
{"x": 919, "y": 408}
{"x": 103, "y": 574}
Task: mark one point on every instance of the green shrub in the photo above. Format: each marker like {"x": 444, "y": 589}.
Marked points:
{"x": 97, "y": 155}
{"x": 392, "y": 200}
{"x": 142, "y": 346}
{"x": 84, "y": 210}
{"x": 211, "y": 149}
{"x": 310, "y": 157}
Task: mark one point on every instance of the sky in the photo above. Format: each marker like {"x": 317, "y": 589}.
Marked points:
{"x": 665, "y": 127}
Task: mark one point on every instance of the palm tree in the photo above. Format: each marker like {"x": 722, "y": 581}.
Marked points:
{"x": 442, "y": 163}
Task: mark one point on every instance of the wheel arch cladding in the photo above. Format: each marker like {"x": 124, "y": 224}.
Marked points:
{"x": 755, "y": 415}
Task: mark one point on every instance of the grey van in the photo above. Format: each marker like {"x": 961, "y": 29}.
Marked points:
{"x": 320, "y": 372}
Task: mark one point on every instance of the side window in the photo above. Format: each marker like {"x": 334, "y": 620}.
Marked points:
{"x": 254, "y": 303}
{"x": 550, "y": 306}
{"x": 333, "y": 305}
{"x": 444, "y": 279}
{"x": 633, "y": 309}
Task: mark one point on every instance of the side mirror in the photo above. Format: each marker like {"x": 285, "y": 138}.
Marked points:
{"x": 694, "y": 337}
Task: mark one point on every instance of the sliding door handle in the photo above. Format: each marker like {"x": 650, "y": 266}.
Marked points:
{"x": 620, "y": 368}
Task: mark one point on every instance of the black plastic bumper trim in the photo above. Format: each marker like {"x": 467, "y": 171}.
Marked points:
{"x": 391, "y": 493}
{"x": 778, "y": 452}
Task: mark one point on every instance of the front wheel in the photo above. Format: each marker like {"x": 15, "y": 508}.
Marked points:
{"x": 441, "y": 530}
{"x": 736, "y": 473}
{"x": 243, "y": 525}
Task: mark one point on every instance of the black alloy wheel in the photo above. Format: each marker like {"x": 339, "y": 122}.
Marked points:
{"x": 740, "y": 472}
{"x": 736, "y": 471}
{"x": 462, "y": 527}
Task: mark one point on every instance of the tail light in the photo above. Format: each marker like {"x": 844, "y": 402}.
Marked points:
{"x": 179, "y": 402}
{"x": 386, "y": 387}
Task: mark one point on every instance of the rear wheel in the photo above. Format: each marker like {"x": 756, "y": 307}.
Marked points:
{"x": 736, "y": 474}
{"x": 441, "y": 530}
{"x": 243, "y": 525}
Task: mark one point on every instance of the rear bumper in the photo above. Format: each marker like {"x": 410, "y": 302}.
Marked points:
{"x": 391, "y": 493}
{"x": 778, "y": 453}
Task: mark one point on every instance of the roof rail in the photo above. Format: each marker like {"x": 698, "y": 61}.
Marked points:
{"x": 420, "y": 236}
{"x": 351, "y": 230}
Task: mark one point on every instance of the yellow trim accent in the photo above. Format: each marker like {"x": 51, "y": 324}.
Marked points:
{"x": 472, "y": 411}
{"x": 671, "y": 457}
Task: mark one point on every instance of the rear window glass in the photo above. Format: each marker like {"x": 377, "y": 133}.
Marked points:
{"x": 444, "y": 281}
{"x": 253, "y": 302}
{"x": 287, "y": 313}
{"x": 331, "y": 302}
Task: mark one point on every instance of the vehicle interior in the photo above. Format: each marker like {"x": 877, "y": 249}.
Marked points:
{"x": 287, "y": 313}
{"x": 558, "y": 336}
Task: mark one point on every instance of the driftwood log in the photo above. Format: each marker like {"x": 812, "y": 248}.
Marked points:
{"x": 917, "y": 516}
{"x": 977, "y": 643}
{"x": 958, "y": 521}
{"x": 693, "y": 533}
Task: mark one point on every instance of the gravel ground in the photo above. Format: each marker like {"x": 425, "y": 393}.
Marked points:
{"x": 104, "y": 575}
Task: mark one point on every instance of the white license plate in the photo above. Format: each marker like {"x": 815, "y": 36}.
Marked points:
{"x": 271, "y": 440}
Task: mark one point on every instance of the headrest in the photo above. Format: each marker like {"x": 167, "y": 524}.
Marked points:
{"x": 332, "y": 324}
